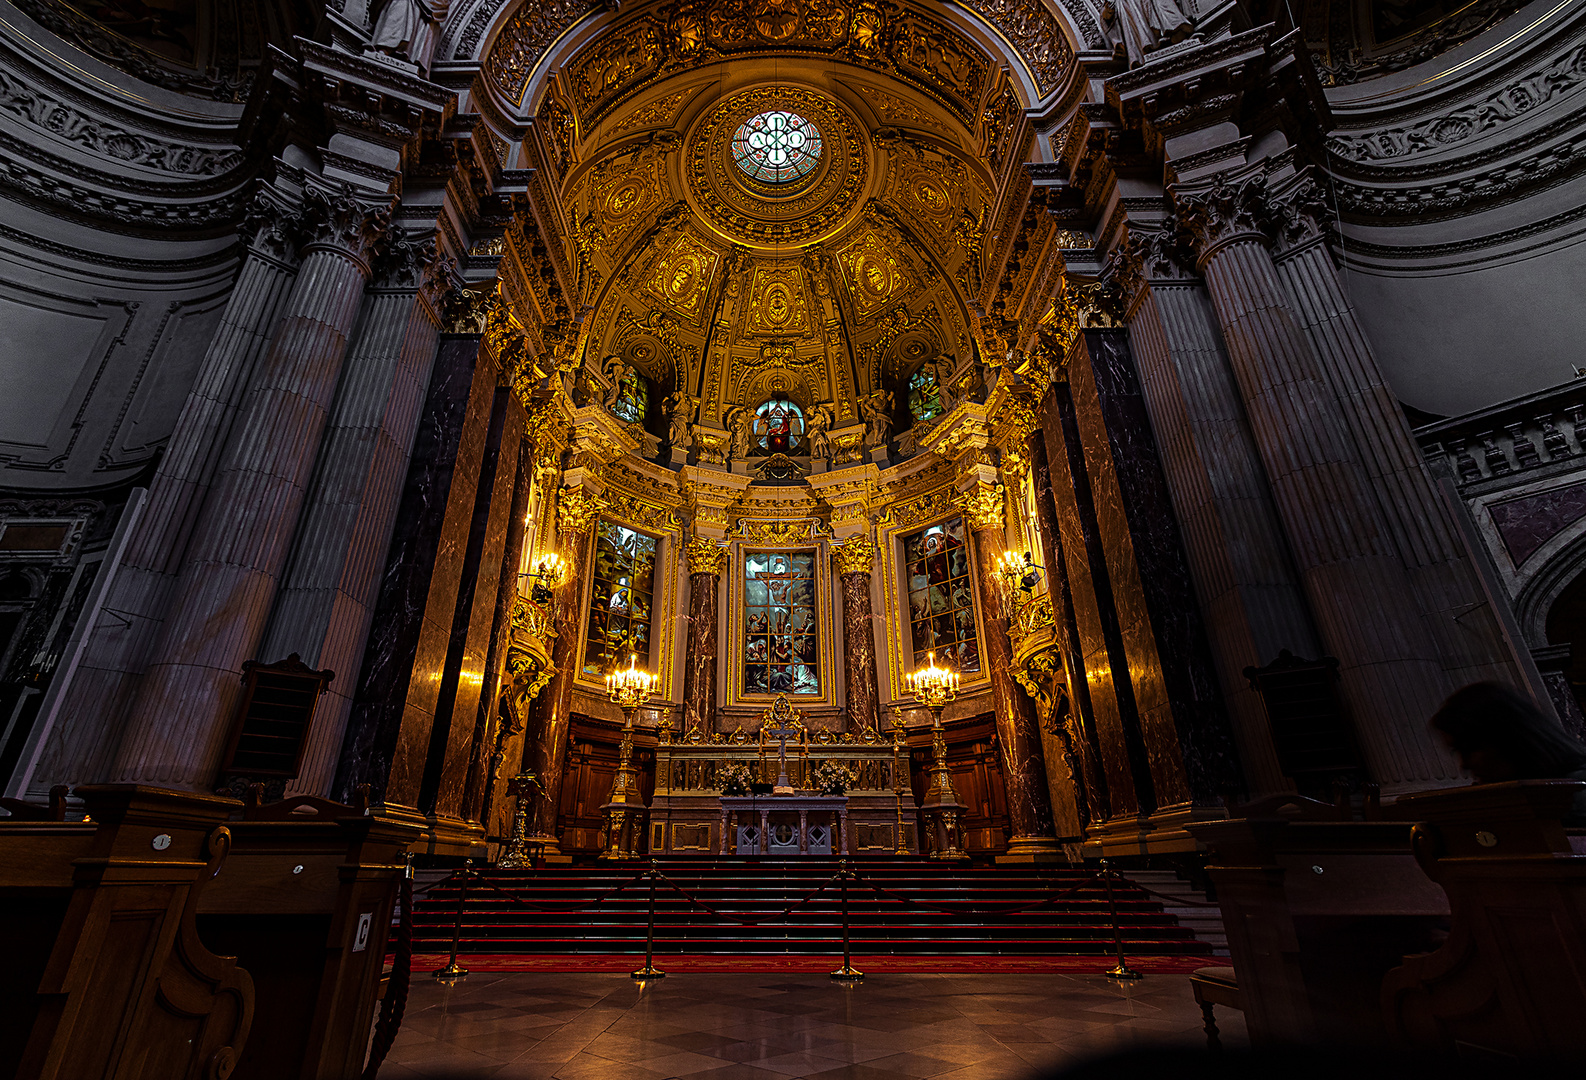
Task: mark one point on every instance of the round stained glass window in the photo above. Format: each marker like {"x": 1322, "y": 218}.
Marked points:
{"x": 776, "y": 147}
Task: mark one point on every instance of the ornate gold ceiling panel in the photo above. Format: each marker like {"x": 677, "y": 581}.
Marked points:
{"x": 682, "y": 278}
{"x": 875, "y": 275}
{"x": 778, "y": 304}
{"x": 742, "y": 211}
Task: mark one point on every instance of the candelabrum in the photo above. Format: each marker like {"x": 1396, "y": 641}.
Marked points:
{"x": 548, "y": 574}
{"x": 518, "y": 855}
{"x": 934, "y": 687}
{"x": 629, "y": 688}
{"x": 900, "y": 839}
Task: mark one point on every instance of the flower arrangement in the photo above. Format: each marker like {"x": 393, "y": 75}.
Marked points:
{"x": 832, "y": 779}
{"x": 735, "y": 779}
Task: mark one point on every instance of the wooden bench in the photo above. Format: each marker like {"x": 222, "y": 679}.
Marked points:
{"x": 107, "y": 974}
{"x": 305, "y": 902}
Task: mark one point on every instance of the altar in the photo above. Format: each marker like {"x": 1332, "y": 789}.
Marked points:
{"x": 780, "y": 825}
{"x": 689, "y": 815}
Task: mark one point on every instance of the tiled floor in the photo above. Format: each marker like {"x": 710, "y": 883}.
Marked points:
{"x": 778, "y": 1027}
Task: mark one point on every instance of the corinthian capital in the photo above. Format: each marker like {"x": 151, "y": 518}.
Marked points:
{"x": 984, "y": 506}
{"x": 1300, "y": 214}
{"x": 705, "y": 556}
{"x": 1153, "y": 253}
{"x": 577, "y": 509}
{"x": 341, "y": 220}
{"x": 1224, "y": 214}
{"x": 856, "y": 556}
{"x": 270, "y": 226}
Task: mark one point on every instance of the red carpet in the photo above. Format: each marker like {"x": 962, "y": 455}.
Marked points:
{"x": 870, "y": 965}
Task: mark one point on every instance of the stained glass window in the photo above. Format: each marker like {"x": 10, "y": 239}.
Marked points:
{"x": 942, "y": 596}
{"x": 776, "y": 147}
{"x": 779, "y": 426}
{"x": 619, "y": 604}
{"x": 633, "y": 397}
{"x": 925, "y": 397}
{"x": 781, "y": 653}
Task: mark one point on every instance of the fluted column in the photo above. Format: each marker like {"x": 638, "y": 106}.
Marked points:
{"x": 332, "y": 581}
{"x": 706, "y": 558}
{"x": 186, "y": 703}
{"x": 855, "y": 558}
{"x": 1467, "y": 633}
{"x": 1081, "y": 745}
{"x": 1233, "y": 540}
{"x": 1018, "y": 731}
{"x": 83, "y": 746}
{"x": 545, "y": 750}
{"x": 1365, "y": 610}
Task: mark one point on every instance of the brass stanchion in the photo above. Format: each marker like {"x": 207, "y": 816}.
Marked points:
{"x": 649, "y": 970}
{"x": 1123, "y": 970}
{"x": 453, "y": 970}
{"x": 846, "y": 973}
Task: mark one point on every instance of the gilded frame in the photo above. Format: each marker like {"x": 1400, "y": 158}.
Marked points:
{"x": 824, "y": 599}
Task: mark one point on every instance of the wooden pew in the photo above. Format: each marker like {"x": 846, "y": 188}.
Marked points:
{"x": 1316, "y": 912}
{"x": 305, "y": 901}
{"x": 107, "y": 974}
{"x": 1511, "y": 978}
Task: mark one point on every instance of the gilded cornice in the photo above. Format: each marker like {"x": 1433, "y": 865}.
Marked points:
{"x": 780, "y": 532}
{"x": 600, "y": 438}
{"x": 966, "y": 429}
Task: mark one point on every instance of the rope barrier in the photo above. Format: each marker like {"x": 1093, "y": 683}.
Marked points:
{"x": 784, "y": 913}
{"x": 568, "y": 908}
{"x": 965, "y": 909}
{"x": 1170, "y": 899}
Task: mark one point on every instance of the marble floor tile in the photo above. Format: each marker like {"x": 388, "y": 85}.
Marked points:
{"x": 542, "y": 1026}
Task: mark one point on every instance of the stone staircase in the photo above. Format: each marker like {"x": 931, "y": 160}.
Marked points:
{"x": 1077, "y": 924}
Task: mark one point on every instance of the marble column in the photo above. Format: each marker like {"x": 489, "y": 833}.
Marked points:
{"x": 186, "y": 704}
{"x": 1183, "y": 723}
{"x": 1238, "y": 556}
{"x": 706, "y": 559}
{"x": 1469, "y": 639}
{"x": 1366, "y": 612}
{"x": 332, "y": 581}
{"x": 855, "y": 558}
{"x": 492, "y": 743}
{"x": 399, "y": 681}
{"x": 1080, "y": 744}
{"x": 1018, "y": 732}
{"x": 550, "y": 718}
{"x": 83, "y": 746}
{"x": 1124, "y": 762}
{"x": 453, "y": 737}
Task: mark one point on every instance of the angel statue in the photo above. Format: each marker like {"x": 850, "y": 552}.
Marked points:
{"x": 740, "y": 421}
{"x": 820, "y": 419}
{"x": 877, "y": 410}
{"x": 681, "y": 409}
{"x": 408, "y": 30}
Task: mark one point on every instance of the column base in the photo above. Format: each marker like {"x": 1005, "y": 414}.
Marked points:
{"x": 445, "y": 836}
{"x": 1161, "y": 833}
{"x": 1032, "y": 849}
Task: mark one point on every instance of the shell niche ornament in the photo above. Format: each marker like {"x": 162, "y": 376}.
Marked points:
{"x": 775, "y": 166}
